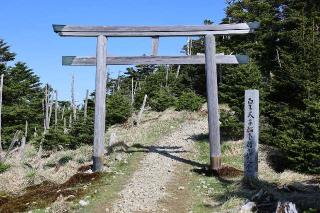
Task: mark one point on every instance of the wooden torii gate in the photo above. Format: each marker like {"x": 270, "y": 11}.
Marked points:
{"x": 210, "y": 59}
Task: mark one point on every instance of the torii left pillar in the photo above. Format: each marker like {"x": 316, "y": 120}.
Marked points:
{"x": 100, "y": 105}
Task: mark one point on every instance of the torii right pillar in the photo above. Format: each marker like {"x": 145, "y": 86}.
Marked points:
{"x": 212, "y": 100}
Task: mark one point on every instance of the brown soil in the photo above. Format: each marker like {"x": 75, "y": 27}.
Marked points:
{"x": 84, "y": 168}
{"x": 228, "y": 171}
{"x": 315, "y": 180}
{"x": 41, "y": 195}
{"x": 179, "y": 197}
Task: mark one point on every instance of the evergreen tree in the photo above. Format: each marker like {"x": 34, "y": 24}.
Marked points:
{"x": 286, "y": 52}
{"x": 22, "y": 95}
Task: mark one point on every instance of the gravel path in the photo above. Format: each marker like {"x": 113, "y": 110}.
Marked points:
{"x": 148, "y": 184}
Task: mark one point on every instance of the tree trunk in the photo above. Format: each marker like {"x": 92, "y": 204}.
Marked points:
{"x": 56, "y": 110}
{"x": 142, "y": 109}
{"x": 178, "y": 70}
{"x": 86, "y": 106}
{"x": 74, "y": 110}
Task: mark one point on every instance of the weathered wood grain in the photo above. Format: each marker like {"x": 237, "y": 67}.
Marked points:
{"x": 212, "y": 99}
{"x": 142, "y": 109}
{"x": 157, "y": 60}
{"x": 85, "y": 113}
{"x": 153, "y": 34}
{"x": 165, "y": 29}
{"x": 100, "y": 105}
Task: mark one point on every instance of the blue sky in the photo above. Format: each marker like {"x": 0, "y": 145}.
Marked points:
{"x": 26, "y": 25}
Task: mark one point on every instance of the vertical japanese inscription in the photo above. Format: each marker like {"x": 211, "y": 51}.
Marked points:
{"x": 251, "y": 133}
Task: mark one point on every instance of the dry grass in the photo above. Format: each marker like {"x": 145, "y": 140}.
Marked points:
{"x": 59, "y": 166}
{"x": 216, "y": 194}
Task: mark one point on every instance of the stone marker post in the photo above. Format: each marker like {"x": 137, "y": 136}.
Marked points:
{"x": 251, "y": 133}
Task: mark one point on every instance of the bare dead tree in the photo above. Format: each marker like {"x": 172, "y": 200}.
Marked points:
{"x": 74, "y": 107}
{"x": 26, "y": 129}
{"x": 62, "y": 114}
{"x": 14, "y": 140}
{"x": 86, "y": 106}
{"x": 50, "y": 108}
{"x": 178, "y": 70}
{"x": 167, "y": 74}
{"x": 135, "y": 88}
{"x": 56, "y": 110}
{"x": 118, "y": 83}
{"x": 132, "y": 92}
{"x": 142, "y": 109}
{"x": 65, "y": 131}
{"x": 46, "y": 107}
{"x": 22, "y": 147}
{"x": 35, "y": 134}
{"x": 70, "y": 121}
{"x": 278, "y": 58}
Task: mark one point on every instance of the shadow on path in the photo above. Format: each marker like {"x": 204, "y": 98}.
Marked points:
{"x": 166, "y": 151}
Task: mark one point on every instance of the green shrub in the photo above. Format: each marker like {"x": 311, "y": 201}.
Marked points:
{"x": 53, "y": 140}
{"x": 81, "y": 160}
{"x": 189, "y": 101}
{"x": 81, "y": 133}
{"x": 231, "y": 127}
{"x": 162, "y": 100}
{"x": 296, "y": 132}
{"x": 64, "y": 160}
{"x": 118, "y": 109}
{"x": 4, "y": 167}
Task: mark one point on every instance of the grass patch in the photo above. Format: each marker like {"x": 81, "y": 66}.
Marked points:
{"x": 4, "y": 167}
{"x": 222, "y": 194}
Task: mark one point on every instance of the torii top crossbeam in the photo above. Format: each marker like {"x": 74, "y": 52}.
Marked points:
{"x": 151, "y": 31}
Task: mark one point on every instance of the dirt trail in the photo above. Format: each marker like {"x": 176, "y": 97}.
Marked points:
{"x": 149, "y": 184}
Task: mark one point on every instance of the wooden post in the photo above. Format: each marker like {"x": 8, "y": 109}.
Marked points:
{"x": 213, "y": 107}
{"x": 155, "y": 45}
{"x": 86, "y": 106}
{"x": 142, "y": 109}
{"x": 251, "y": 133}
{"x": 1, "y": 89}
{"x": 100, "y": 105}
